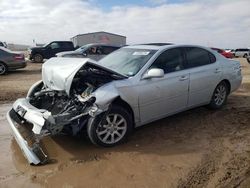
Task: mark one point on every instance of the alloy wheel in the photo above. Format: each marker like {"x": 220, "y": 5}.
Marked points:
{"x": 2, "y": 69}
{"x": 220, "y": 95}
{"x": 112, "y": 130}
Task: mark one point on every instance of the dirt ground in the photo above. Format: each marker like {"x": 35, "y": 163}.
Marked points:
{"x": 16, "y": 83}
{"x": 197, "y": 148}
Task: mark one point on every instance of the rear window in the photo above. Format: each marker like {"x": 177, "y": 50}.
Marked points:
{"x": 198, "y": 57}
{"x": 108, "y": 49}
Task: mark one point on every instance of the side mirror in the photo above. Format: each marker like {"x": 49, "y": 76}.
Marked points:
{"x": 154, "y": 73}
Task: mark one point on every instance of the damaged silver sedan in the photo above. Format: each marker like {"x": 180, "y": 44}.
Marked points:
{"x": 129, "y": 88}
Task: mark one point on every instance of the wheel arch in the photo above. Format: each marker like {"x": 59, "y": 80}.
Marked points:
{"x": 3, "y": 63}
{"x": 119, "y": 101}
{"x": 227, "y": 83}
{"x": 38, "y": 53}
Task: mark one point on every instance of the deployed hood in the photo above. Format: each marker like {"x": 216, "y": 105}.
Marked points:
{"x": 58, "y": 73}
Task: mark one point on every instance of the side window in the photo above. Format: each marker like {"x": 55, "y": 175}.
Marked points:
{"x": 170, "y": 61}
{"x": 108, "y": 49}
{"x": 198, "y": 57}
{"x": 54, "y": 45}
{"x": 92, "y": 50}
{"x": 99, "y": 50}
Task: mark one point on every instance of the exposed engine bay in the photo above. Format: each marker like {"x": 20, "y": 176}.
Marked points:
{"x": 71, "y": 109}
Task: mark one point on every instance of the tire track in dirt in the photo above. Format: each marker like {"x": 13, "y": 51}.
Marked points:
{"x": 227, "y": 163}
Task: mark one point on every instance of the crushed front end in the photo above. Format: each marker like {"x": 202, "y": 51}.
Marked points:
{"x": 32, "y": 119}
{"x": 62, "y": 102}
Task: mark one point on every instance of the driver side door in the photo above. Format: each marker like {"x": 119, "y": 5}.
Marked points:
{"x": 53, "y": 49}
{"x": 160, "y": 97}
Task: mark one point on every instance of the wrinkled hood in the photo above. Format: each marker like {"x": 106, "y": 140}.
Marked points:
{"x": 58, "y": 72}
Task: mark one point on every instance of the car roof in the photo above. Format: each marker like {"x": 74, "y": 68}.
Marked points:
{"x": 101, "y": 44}
{"x": 66, "y": 41}
{"x": 157, "y": 44}
{"x": 162, "y": 47}
{"x": 145, "y": 47}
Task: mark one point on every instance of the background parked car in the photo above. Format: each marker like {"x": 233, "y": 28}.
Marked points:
{"x": 92, "y": 51}
{"x": 242, "y": 52}
{"x": 38, "y": 54}
{"x": 225, "y": 53}
{"x": 248, "y": 59}
{"x": 3, "y": 44}
{"x": 10, "y": 60}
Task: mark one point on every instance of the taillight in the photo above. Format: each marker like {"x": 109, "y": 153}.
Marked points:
{"x": 19, "y": 57}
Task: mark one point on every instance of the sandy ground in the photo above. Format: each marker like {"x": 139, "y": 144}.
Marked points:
{"x": 197, "y": 148}
{"x": 16, "y": 83}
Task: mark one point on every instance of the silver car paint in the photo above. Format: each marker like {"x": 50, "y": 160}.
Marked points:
{"x": 150, "y": 99}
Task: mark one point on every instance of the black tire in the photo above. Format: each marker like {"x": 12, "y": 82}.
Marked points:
{"x": 248, "y": 60}
{"x": 219, "y": 99}
{"x": 38, "y": 58}
{"x": 100, "y": 124}
{"x": 3, "y": 68}
{"x": 245, "y": 55}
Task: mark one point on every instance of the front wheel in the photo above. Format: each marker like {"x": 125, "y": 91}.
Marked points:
{"x": 248, "y": 60}
{"x": 245, "y": 55}
{"x": 220, "y": 95}
{"x": 38, "y": 58}
{"x": 110, "y": 129}
{"x": 3, "y": 68}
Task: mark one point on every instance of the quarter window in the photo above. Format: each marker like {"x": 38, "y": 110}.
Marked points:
{"x": 170, "y": 61}
{"x": 198, "y": 57}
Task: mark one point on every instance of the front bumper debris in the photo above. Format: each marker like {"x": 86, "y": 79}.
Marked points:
{"x": 26, "y": 139}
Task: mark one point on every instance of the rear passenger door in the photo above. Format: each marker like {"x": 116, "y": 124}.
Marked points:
{"x": 205, "y": 74}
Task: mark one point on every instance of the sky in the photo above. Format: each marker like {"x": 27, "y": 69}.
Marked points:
{"x": 217, "y": 23}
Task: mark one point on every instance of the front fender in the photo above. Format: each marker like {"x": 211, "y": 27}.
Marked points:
{"x": 105, "y": 95}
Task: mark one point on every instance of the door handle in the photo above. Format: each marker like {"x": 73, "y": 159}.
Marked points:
{"x": 217, "y": 70}
{"x": 182, "y": 78}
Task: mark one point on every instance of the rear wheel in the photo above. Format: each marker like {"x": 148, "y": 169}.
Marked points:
{"x": 3, "y": 68}
{"x": 111, "y": 129}
{"x": 38, "y": 58}
{"x": 219, "y": 96}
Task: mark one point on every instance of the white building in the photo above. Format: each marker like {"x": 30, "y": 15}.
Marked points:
{"x": 99, "y": 37}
